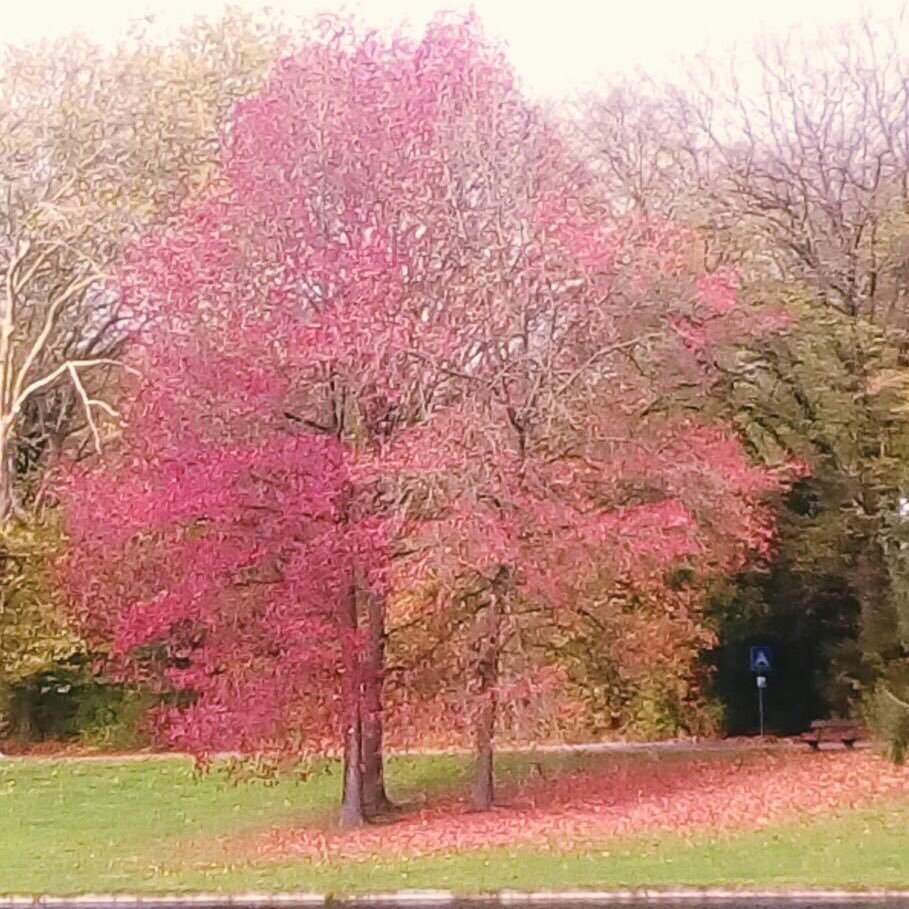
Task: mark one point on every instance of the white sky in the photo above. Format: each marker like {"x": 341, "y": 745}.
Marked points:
{"x": 557, "y": 45}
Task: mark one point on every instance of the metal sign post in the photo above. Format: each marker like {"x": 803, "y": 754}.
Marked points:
{"x": 761, "y": 661}
{"x": 761, "y": 685}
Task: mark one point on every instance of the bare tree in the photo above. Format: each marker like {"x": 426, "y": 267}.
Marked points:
{"x": 811, "y": 159}
{"x": 92, "y": 145}
{"x": 641, "y": 151}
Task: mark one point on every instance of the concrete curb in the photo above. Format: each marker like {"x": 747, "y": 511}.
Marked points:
{"x": 430, "y": 898}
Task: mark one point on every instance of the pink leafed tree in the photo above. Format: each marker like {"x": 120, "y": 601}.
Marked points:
{"x": 400, "y": 345}
{"x": 573, "y": 467}
{"x": 215, "y": 551}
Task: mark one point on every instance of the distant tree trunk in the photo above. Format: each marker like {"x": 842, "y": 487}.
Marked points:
{"x": 880, "y": 621}
{"x": 484, "y": 771}
{"x": 375, "y": 798}
{"x": 6, "y": 480}
{"x": 353, "y": 812}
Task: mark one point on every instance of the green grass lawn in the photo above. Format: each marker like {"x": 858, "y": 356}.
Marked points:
{"x": 104, "y": 826}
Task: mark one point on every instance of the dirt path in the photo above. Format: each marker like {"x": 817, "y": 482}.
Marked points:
{"x": 678, "y": 746}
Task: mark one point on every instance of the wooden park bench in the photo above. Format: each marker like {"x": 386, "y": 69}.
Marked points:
{"x": 846, "y": 731}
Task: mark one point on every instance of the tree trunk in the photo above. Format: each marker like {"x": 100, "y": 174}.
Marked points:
{"x": 880, "y": 621}
{"x": 353, "y": 812}
{"x": 484, "y": 771}
{"x": 6, "y": 481}
{"x": 375, "y": 798}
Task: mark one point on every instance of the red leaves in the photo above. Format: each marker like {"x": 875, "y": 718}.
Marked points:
{"x": 625, "y": 798}
{"x": 214, "y": 565}
{"x": 380, "y": 328}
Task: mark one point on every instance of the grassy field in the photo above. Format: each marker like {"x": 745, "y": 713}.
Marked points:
{"x": 106, "y": 826}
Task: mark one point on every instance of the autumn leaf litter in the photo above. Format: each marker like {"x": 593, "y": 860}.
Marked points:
{"x": 622, "y": 799}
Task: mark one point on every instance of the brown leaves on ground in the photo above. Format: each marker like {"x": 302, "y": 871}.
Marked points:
{"x": 619, "y": 798}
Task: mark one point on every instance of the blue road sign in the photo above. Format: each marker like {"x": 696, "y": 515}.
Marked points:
{"x": 761, "y": 658}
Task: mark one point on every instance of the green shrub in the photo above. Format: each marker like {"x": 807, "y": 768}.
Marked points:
{"x": 65, "y": 702}
{"x": 110, "y": 716}
{"x": 33, "y": 633}
{"x": 888, "y": 715}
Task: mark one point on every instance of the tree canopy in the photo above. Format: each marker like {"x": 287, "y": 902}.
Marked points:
{"x": 401, "y": 375}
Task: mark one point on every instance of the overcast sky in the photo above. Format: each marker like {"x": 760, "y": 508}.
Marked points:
{"x": 558, "y": 46}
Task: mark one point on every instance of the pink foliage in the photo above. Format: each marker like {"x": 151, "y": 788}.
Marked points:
{"x": 582, "y": 810}
{"x": 380, "y": 332}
